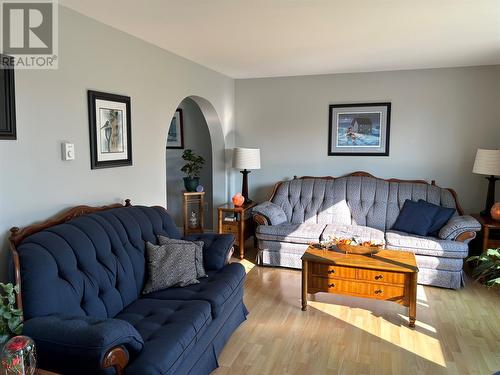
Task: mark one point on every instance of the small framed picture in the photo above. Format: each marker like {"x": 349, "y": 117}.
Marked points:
{"x": 175, "y": 137}
{"x": 110, "y": 130}
{"x": 359, "y": 129}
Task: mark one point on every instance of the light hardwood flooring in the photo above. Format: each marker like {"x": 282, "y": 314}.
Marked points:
{"x": 457, "y": 332}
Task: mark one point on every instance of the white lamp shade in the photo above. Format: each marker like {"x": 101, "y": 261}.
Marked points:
{"x": 487, "y": 162}
{"x": 246, "y": 158}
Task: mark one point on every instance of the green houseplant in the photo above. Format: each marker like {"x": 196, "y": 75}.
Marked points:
{"x": 487, "y": 270}
{"x": 192, "y": 169}
{"x": 10, "y": 317}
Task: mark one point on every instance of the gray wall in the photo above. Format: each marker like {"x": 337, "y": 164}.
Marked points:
{"x": 52, "y": 107}
{"x": 439, "y": 118}
{"x": 197, "y": 138}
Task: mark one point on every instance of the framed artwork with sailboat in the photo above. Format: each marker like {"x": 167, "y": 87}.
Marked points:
{"x": 359, "y": 129}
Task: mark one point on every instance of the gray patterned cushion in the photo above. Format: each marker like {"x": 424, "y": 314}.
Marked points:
{"x": 198, "y": 248}
{"x": 349, "y": 231}
{"x": 298, "y": 233}
{"x": 425, "y": 245}
{"x": 169, "y": 265}
{"x": 272, "y": 212}
{"x": 335, "y": 213}
{"x": 458, "y": 225}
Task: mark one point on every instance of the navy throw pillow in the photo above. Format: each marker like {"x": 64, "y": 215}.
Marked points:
{"x": 443, "y": 215}
{"x": 415, "y": 218}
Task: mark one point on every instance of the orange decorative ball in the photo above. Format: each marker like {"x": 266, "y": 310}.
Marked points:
{"x": 238, "y": 199}
{"x": 495, "y": 211}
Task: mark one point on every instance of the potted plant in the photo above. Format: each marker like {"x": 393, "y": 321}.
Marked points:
{"x": 192, "y": 168}
{"x": 487, "y": 270}
{"x": 10, "y": 317}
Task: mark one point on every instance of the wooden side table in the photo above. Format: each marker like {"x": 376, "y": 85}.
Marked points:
{"x": 488, "y": 225}
{"x": 237, "y": 221}
{"x": 197, "y": 200}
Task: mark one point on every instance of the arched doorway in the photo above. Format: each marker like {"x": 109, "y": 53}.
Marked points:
{"x": 202, "y": 133}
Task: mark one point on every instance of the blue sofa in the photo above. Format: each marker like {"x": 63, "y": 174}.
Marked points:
{"x": 82, "y": 303}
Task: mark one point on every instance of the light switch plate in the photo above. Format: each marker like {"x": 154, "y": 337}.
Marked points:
{"x": 68, "y": 151}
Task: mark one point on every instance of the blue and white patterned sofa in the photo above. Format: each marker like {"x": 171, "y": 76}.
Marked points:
{"x": 310, "y": 209}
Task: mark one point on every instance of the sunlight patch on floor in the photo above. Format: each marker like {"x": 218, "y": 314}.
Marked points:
{"x": 247, "y": 264}
{"x": 421, "y": 297}
{"x": 419, "y": 343}
{"x": 418, "y": 323}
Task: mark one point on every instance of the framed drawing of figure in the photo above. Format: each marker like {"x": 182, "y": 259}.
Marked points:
{"x": 110, "y": 130}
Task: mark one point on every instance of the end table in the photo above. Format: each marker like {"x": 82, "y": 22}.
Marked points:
{"x": 238, "y": 221}
{"x": 488, "y": 224}
{"x": 196, "y": 199}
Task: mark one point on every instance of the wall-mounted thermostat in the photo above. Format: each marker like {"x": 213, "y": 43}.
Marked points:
{"x": 68, "y": 151}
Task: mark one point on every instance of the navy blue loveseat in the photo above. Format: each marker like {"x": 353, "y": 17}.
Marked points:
{"x": 81, "y": 296}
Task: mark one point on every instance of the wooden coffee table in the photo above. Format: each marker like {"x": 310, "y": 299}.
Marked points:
{"x": 387, "y": 275}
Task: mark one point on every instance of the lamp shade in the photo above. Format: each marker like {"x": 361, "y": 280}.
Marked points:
{"x": 246, "y": 158}
{"x": 487, "y": 162}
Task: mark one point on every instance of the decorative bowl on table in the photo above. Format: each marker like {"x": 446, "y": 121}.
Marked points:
{"x": 359, "y": 249}
{"x": 355, "y": 245}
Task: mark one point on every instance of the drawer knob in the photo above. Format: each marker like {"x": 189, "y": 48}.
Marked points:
{"x": 379, "y": 277}
{"x": 331, "y": 271}
{"x": 332, "y": 285}
{"x": 378, "y": 291}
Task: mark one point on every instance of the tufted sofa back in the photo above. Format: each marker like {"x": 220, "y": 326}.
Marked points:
{"x": 373, "y": 202}
{"x": 91, "y": 265}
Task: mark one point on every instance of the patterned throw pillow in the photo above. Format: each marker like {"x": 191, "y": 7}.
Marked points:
{"x": 169, "y": 265}
{"x": 198, "y": 248}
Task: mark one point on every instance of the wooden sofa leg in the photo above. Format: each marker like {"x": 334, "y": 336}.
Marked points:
{"x": 116, "y": 357}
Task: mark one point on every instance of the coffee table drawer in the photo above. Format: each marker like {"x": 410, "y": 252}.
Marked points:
{"x": 358, "y": 288}
{"x": 382, "y": 276}
{"x": 322, "y": 284}
{"x": 326, "y": 270}
{"x": 386, "y": 292}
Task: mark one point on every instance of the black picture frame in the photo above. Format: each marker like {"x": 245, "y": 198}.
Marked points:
{"x": 384, "y": 146}
{"x": 7, "y": 99}
{"x": 95, "y": 163}
{"x": 178, "y": 112}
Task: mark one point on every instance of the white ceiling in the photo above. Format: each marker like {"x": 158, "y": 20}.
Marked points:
{"x": 262, "y": 38}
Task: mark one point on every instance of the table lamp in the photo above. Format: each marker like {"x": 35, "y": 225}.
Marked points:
{"x": 488, "y": 163}
{"x": 245, "y": 159}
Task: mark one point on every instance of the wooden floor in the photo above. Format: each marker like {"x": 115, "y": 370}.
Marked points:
{"x": 457, "y": 332}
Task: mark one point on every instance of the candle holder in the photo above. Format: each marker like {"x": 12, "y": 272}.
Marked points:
{"x": 19, "y": 356}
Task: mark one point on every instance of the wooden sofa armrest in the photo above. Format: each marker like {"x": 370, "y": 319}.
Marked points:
{"x": 260, "y": 219}
{"x": 117, "y": 358}
{"x": 466, "y": 236}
